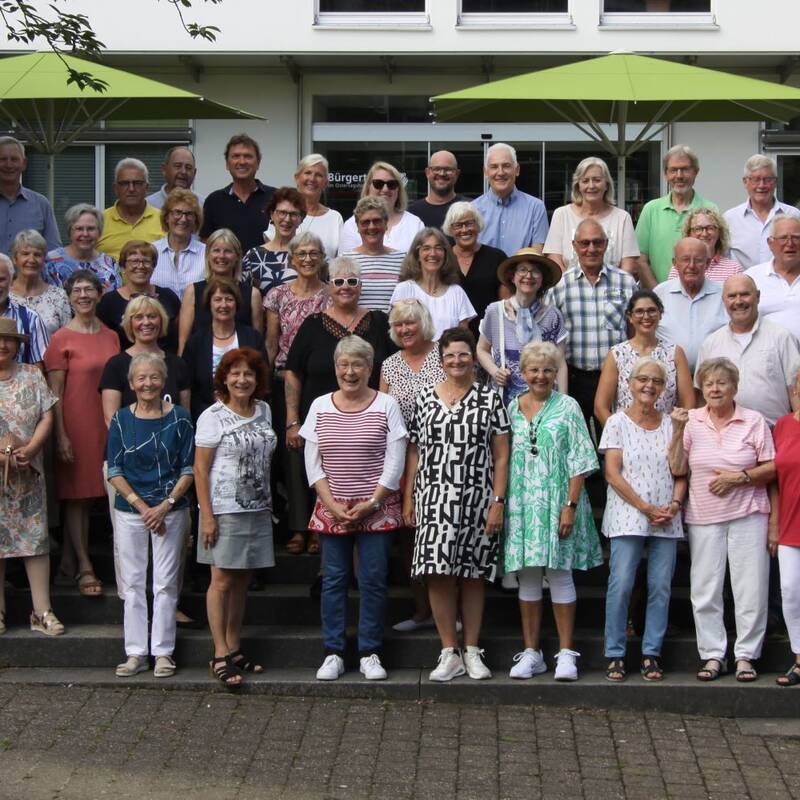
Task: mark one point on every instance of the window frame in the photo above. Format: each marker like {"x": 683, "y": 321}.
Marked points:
{"x": 499, "y": 20}
{"x": 372, "y": 20}
{"x": 658, "y": 20}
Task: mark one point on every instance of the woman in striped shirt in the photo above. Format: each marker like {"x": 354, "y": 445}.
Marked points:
{"x": 355, "y": 445}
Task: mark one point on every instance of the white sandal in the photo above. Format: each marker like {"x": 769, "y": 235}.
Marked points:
{"x": 165, "y": 667}
{"x": 48, "y": 623}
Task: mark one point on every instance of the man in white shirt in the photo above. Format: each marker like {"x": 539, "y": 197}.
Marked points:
{"x": 179, "y": 170}
{"x": 750, "y": 222}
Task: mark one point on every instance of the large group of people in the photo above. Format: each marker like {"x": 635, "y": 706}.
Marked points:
{"x": 450, "y": 375}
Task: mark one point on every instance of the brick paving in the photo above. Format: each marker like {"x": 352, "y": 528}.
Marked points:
{"x": 87, "y": 744}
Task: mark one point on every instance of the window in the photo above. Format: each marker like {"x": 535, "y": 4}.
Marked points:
{"x": 657, "y": 6}
{"x": 514, "y": 6}
{"x": 514, "y": 14}
{"x": 371, "y": 14}
{"x": 657, "y": 13}
{"x": 372, "y": 108}
{"x": 370, "y": 6}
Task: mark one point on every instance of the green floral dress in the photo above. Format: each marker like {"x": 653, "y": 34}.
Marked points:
{"x": 538, "y": 487}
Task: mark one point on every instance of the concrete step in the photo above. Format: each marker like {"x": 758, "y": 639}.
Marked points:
{"x": 680, "y": 692}
{"x": 301, "y": 646}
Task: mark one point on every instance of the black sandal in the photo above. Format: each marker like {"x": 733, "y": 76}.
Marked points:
{"x": 223, "y": 670}
{"x": 241, "y": 662}
{"x": 707, "y": 673}
{"x": 616, "y": 667}
{"x": 791, "y": 677}
{"x": 652, "y": 669}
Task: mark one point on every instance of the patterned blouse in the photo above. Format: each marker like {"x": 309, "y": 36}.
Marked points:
{"x": 291, "y": 311}
{"x": 625, "y": 357}
{"x": 51, "y": 305}
{"x": 405, "y": 385}
{"x": 266, "y": 269}
{"x": 60, "y": 265}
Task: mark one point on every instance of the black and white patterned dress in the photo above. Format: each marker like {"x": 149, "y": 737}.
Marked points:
{"x": 453, "y": 487}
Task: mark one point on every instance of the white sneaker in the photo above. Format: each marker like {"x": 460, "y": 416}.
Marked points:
{"x": 529, "y": 662}
{"x": 332, "y": 667}
{"x": 132, "y": 666}
{"x": 408, "y": 625}
{"x": 473, "y": 661}
{"x": 450, "y": 666}
{"x": 372, "y": 669}
{"x": 510, "y": 582}
{"x": 566, "y": 668}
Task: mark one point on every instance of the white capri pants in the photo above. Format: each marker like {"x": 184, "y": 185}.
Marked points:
{"x": 743, "y": 543}
{"x": 562, "y": 587}
{"x": 789, "y": 561}
{"x": 132, "y": 545}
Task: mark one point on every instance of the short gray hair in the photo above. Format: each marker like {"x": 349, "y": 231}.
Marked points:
{"x": 647, "y": 361}
{"x": 776, "y": 219}
{"x": 501, "y": 146}
{"x": 309, "y": 161}
{"x": 681, "y": 150}
{"x": 28, "y": 238}
{"x": 131, "y": 163}
{"x": 370, "y": 203}
{"x": 457, "y": 212}
{"x": 304, "y": 238}
{"x": 147, "y": 358}
{"x": 717, "y": 365}
{"x": 74, "y": 213}
{"x": 12, "y": 271}
{"x": 411, "y": 309}
{"x": 540, "y": 349}
{"x": 356, "y": 347}
{"x": 757, "y": 162}
{"x": 344, "y": 266}
{"x": 10, "y": 140}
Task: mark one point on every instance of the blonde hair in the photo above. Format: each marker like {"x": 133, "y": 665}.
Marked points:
{"x": 309, "y": 161}
{"x": 539, "y": 349}
{"x": 402, "y": 198}
{"x": 226, "y": 236}
{"x": 137, "y": 306}
{"x": 724, "y": 241}
{"x": 411, "y": 309}
{"x": 717, "y": 365}
{"x": 582, "y": 169}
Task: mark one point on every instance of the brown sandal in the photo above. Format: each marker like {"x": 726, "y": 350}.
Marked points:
{"x": 313, "y": 544}
{"x": 89, "y": 585}
{"x": 296, "y": 544}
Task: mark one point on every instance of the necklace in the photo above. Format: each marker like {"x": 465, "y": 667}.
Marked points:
{"x": 347, "y": 327}
{"x": 454, "y": 396}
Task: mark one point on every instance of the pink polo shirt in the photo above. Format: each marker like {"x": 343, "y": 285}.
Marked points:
{"x": 741, "y": 444}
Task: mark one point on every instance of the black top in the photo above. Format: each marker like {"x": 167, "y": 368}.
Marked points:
{"x": 223, "y": 209}
{"x": 480, "y": 283}
{"x": 202, "y": 316}
{"x": 111, "y": 309}
{"x": 433, "y": 216}
{"x": 198, "y": 357}
{"x": 311, "y": 353}
{"x": 115, "y": 376}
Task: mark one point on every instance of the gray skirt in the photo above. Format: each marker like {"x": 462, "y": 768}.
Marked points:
{"x": 244, "y": 542}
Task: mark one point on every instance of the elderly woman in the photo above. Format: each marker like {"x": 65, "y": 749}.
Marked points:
{"x": 137, "y": 261}
{"x": 287, "y": 307}
{"x": 267, "y": 265}
{"x": 387, "y": 184}
{"x": 477, "y": 263}
{"x": 84, "y": 228}
{"x": 208, "y": 345}
{"x": 355, "y": 445}
{"x": 429, "y": 273}
{"x": 404, "y": 376}
{"x": 74, "y": 361}
{"x": 549, "y": 525}
{"x": 181, "y": 254}
{"x": 729, "y": 453}
{"x": 26, "y": 419}
{"x": 509, "y": 325}
{"x": 644, "y": 312}
{"x": 709, "y": 226}
{"x": 223, "y": 259}
{"x": 150, "y": 453}
{"x": 373, "y": 256}
{"x": 235, "y": 443}
{"x": 142, "y": 323}
{"x": 643, "y": 506}
{"x": 310, "y": 369}
{"x": 29, "y": 288}
{"x": 593, "y": 198}
{"x": 311, "y": 178}
{"x": 455, "y": 493}
{"x": 784, "y": 531}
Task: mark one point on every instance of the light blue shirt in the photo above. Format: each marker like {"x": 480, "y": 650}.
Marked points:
{"x": 749, "y": 244}
{"x": 28, "y": 211}
{"x": 687, "y": 321}
{"x": 191, "y": 265}
{"x": 157, "y": 199}
{"x": 30, "y": 324}
{"x": 520, "y": 220}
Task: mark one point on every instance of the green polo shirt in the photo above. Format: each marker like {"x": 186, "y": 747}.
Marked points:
{"x": 117, "y": 232}
{"x": 659, "y": 228}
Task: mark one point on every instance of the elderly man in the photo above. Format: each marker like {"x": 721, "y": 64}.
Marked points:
{"x": 442, "y": 173}
{"x": 131, "y": 216}
{"x": 693, "y": 307}
{"x": 28, "y": 322}
{"x": 20, "y": 208}
{"x": 592, "y": 298}
{"x": 241, "y": 204}
{"x": 751, "y": 221}
{"x": 661, "y": 221}
{"x": 513, "y": 218}
{"x": 179, "y": 170}
{"x": 766, "y": 354}
{"x": 778, "y": 280}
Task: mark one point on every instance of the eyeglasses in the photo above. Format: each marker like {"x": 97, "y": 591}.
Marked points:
{"x": 80, "y": 290}
{"x": 138, "y": 262}
{"x": 180, "y": 214}
{"x": 371, "y": 223}
{"x": 590, "y": 242}
{"x": 431, "y": 248}
{"x": 378, "y": 184}
{"x": 785, "y": 238}
{"x": 307, "y": 255}
{"x": 442, "y": 170}
{"x": 464, "y": 226}
{"x": 281, "y": 214}
{"x": 703, "y": 228}
{"x": 679, "y": 170}
{"x": 451, "y": 357}
{"x": 131, "y": 184}
{"x": 340, "y": 282}
{"x": 533, "y": 271}
{"x": 685, "y": 261}
{"x": 645, "y": 312}
{"x": 645, "y": 379}
{"x": 767, "y": 181}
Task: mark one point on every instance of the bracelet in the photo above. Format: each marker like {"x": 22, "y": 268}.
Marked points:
{"x": 675, "y": 500}
{"x": 292, "y": 424}
{"x": 498, "y": 499}
{"x": 376, "y": 504}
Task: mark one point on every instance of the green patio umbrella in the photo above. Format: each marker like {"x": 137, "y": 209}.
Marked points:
{"x": 51, "y": 113}
{"x": 620, "y": 89}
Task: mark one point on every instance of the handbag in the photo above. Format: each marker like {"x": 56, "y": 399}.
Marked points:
{"x": 8, "y": 444}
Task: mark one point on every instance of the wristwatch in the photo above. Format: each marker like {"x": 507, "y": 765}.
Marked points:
{"x": 376, "y": 504}
{"x": 171, "y": 500}
{"x": 747, "y": 478}
{"x": 498, "y": 499}
{"x": 570, "y": 504}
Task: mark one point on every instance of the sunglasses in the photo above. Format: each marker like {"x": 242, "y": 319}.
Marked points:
{"x": 339, "y": 282}
{"x": 378, "y": 184}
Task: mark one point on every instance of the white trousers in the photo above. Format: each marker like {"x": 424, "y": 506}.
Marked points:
{"x": 132, "y": 545}
{"x": 743, "y": 544}
{"x": 789, "y": 561}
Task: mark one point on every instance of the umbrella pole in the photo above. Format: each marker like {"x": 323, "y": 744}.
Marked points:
{"x": 622, "y": 115}
{"x": 51, "y": 156}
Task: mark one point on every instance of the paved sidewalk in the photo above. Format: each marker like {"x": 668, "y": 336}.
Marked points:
{"x": 64, "y": 743}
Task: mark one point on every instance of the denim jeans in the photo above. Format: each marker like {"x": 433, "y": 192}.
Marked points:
{"x": 626, "y": 553}
{"x": 337, "y": 567}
